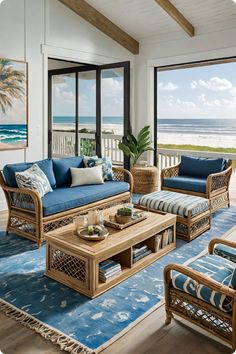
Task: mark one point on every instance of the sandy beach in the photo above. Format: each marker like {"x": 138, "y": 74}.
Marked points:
{"x": 217, "y": 141}
{"x": 4, "y": 146}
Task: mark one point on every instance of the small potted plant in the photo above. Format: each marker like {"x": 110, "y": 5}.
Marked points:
{"x": 124, "y": 215}
{"x": 145, "y": 177}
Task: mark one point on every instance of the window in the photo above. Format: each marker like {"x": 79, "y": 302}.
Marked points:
{"x": 195, "y": 106}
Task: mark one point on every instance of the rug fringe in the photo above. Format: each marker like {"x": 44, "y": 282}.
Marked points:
{"x": 56, "y": 337}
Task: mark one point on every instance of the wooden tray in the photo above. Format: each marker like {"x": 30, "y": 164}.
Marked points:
{"x": 118, "y": 226}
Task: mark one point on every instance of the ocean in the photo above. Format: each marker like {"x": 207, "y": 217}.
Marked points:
{"x": 13, "y": 134}
{"x": 204, "y": 132}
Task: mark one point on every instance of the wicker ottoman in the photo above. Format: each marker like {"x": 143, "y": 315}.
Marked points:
{"x": 145, "y": 179}
{"x": 193, "y": 213}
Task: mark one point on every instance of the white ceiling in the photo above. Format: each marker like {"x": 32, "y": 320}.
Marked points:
{"x": 145, "y": 18}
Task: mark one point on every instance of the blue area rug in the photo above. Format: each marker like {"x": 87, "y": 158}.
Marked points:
{"x": 92, "y": 323}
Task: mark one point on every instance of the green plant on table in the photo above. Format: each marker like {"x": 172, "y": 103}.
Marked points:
{"x": 134, "y": 147}
{"x": 125, "y": 211}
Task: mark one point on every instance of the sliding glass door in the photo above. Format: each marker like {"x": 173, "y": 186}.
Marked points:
{"x": 89, "y": 110}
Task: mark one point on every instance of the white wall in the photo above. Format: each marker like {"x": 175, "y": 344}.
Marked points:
{"x": 33, "y": 30}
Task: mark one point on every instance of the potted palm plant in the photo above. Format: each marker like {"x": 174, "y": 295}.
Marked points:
{"x": 145, "y": 177}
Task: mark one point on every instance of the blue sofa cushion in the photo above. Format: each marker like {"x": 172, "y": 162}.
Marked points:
{"x": 226, "y": 252}
{"x": 186, "y": 183}
{"x": 62, "y": 169}
{"x": 200, "y": 167}
{"x": 45, "y": 165}
{"x": 216, "y": 268}
{"x": 62, "y": 199}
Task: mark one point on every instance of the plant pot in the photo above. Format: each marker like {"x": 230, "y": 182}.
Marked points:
{"x": 122, "y": 219}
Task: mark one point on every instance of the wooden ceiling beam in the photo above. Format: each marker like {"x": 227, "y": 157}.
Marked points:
{"x": 97, "y": 19}
{"x": 177, "y": 16}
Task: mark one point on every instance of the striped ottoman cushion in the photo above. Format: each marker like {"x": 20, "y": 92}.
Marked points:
{"x": 214, "y": 267}
{"x": 175, "y": 203}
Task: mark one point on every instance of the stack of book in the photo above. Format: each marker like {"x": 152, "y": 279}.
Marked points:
{"x": 108, "y": 269}
{"x": 140, "y": 251}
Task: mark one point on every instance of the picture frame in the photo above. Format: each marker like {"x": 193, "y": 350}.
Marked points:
{"x": 13, "y": 104}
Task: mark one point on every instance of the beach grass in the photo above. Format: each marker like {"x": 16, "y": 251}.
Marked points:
{"x": 197, "y": 148}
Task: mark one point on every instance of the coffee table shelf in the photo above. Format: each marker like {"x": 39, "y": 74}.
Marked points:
{"x": 75, "y": 262}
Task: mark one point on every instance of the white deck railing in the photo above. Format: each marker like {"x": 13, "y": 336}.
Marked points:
{"x": 63, "y": 144}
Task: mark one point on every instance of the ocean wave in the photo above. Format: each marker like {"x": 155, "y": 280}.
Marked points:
{"x": 17, "y": 131}
{"x": 15, "y": 136}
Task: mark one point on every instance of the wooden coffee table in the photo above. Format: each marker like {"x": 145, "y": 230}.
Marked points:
{"x": 75, "y": 262}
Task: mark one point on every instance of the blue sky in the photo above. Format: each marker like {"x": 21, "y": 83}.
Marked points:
{"x": 64, "y": 95}
{"x": 200, "y": 92}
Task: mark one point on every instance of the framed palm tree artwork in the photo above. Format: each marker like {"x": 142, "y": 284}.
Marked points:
{"x": 13, "y": 104}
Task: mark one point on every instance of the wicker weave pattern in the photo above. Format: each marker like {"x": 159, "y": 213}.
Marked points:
{"x": 73, "y": 267}
{"x": 58, "y": 223}
{"x": 184, "y": 229}
{"x": 22, "y": 201}
{"x": 170, "y": 172}
{"x": 220, "y": 181}
{"x": 199, "y": 312}
{"x": 18, "y": 223}
{"x": 219, "y": 201}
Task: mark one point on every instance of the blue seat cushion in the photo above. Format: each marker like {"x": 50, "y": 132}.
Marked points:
{"x": 45, "y": 165}
{"x": 214, "y": 267}
{"x": 226, "y": 252}
{"x": 193, "y": 184}
{"x": 62, "y": 169}
{"x": 62, "y": 199}
{"x": 200, "y": 167}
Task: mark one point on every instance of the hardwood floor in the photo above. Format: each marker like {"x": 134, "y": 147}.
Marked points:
{"x": 150, "y": 336}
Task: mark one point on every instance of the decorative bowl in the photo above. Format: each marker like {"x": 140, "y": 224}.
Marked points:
{"x": 123, "y": 219}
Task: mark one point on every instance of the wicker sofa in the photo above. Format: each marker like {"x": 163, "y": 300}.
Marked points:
{"x": 32, "y": 217}
{"x": 207, "y": 178}
{"x": 204, "y": 292}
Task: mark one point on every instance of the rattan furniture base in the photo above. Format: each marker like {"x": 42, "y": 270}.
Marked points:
{"x": 190, "y": 227}
{"x": 75, "y": 262}
{"x": 197, "y": 311}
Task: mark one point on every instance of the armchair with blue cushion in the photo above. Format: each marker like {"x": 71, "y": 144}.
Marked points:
{"x": 204, "y": 177}
{"x": 204, "y": 291}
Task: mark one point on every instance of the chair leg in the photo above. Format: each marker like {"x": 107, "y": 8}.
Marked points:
{"x": 169, "y": 317}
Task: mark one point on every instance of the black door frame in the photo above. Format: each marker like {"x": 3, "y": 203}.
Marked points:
{"x": 98, "y": 135}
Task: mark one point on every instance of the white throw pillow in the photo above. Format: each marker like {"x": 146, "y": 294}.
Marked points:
{"x": 34, "y": 179}
{"x": 90, "y": 175}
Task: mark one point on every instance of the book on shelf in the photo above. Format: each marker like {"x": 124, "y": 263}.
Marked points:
{"x": 144, "y": 254}
{"x": 103, "y": 278}
{"x": 167, "y": 237}
{"x": 139, "y": 249}
{"x": 108, "y": 268}
{"x": 158, "y": 242}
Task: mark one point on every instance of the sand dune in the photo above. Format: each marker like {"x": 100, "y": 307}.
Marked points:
{"x": 4, "y": 146}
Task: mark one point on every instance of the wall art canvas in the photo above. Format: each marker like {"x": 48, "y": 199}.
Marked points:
{"x": 13, "y": 104}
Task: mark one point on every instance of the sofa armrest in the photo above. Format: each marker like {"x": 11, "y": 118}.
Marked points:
{"x": 172, "y": 171}
{"x": 21, "y": 198}
{"x": 199, "y": 278}
{"x": 218, "y": 181}
{"x": 121, "y": 174}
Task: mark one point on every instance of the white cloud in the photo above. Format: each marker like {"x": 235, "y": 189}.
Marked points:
{"x": 170, "y": 86}
{"x": 186, "y": 104}
{"x": 112, "y": 87}
{"x": 214, "y": 84}
{"x": 65, "y": 96}
{"x": 223, "y": 102}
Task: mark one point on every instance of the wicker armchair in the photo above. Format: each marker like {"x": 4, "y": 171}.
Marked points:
{"x": 217, "y": 186}
{"x": 25, "y": 210}
{"x": 201, "y": 313}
